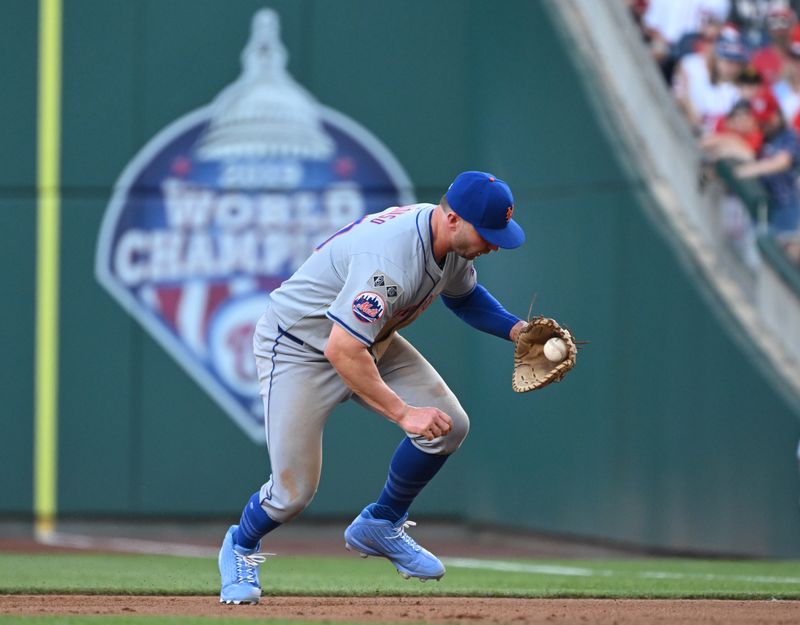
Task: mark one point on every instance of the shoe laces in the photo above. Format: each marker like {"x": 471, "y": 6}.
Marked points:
{"x": 247, "y": 565}
{"x": 401, "y": 533}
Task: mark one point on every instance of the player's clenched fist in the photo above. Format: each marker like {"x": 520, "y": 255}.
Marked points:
{"x": 428, "y": 422}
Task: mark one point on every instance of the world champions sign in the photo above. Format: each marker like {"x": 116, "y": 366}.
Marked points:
{"x": 224, "y": 204}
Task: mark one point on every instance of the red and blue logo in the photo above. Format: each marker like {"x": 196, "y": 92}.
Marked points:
{"x": 368, "y": 307}
{"x": 224, "y": 204}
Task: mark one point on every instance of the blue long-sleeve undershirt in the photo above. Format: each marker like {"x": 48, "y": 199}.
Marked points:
{"x": 482, "y": 311}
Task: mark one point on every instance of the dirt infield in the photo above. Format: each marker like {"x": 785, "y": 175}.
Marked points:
{"x": 444, "y": 610}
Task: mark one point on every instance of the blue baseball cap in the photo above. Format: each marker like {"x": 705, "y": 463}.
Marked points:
{"x": 729, "y": 46}
{"x": 486, "y": 202}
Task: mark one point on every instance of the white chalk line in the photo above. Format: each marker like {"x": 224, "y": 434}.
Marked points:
{"x": 152, "y": 547}
{"x": 576, "y": 571}
{"x": 125, "y": 545}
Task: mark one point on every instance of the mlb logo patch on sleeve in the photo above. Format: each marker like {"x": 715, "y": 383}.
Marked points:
{"x": 384, "y": 285}
{"x": 368, "y": 307}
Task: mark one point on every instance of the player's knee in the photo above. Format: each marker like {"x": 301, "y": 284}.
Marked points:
{"x": 290, "y": 505}
{"x": 450, "y": 442}
{"x": 295, "y": 507}
{"x": 457, "y": 433}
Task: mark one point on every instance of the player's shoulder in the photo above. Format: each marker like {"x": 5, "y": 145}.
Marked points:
{"x": 396, "y": 218}
{"x": 394, "y": 231}
{"x": 394, "y": 240}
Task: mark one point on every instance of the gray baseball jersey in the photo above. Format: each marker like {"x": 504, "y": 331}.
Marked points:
{"x": 371, "y": 277}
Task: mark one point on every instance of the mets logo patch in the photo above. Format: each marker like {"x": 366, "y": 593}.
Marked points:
{"x": 368, "y": 307}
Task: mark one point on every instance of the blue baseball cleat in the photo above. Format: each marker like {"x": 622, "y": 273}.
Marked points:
{"x": 384, "y": 539}
{"x": 238, "y": 568}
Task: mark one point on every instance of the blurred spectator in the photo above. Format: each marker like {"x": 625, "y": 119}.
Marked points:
{"x": 736, "y": 139}
{"x": 666, "y": 22}
{"x": 730, "y": 105}
{"x": 702, "y": 41}
{"x": 749, "y": 82}
{"x": 737, "y": 135}
{"x": 704, "y": 87}
{"x": 776, "y": 168}
{"x": 788, "y": 90}
{"x": 771, "y": 57}
{"x": 751, "y": 17}
{"x": 637, "y": 9}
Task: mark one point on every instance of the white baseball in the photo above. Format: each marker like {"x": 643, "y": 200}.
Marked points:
{"x": 555, "y": 350}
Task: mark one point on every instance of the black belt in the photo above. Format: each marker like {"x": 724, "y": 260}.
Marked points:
{"x": 290, "y": 336}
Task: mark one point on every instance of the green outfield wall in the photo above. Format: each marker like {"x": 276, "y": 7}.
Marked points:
{"x": 669, "y": 433}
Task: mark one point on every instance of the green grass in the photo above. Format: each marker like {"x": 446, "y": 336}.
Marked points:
{"x": 166, "y": 575}
{"x": 143, "y": 620}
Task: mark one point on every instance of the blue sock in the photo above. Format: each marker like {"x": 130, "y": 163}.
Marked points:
{"x": 254, "y": 524}
{"x": 409, "y": 472}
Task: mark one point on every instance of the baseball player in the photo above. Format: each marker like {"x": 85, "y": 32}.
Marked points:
{"x": 330, "y": 334}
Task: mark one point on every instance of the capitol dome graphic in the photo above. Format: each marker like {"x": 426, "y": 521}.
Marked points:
{"x": 265, "y": 113}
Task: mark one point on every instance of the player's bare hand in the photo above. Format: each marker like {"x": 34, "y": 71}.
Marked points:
{"x": 428, "y": 422}
{"x": 516, "y": 329}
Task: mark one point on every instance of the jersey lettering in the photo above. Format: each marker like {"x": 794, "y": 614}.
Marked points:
{"x": 382, "y": 218}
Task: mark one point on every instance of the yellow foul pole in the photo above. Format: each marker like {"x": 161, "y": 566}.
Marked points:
{"x": 45, "y": 459}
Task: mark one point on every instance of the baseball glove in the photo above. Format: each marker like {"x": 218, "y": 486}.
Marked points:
{"x": 532, "y": 370}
